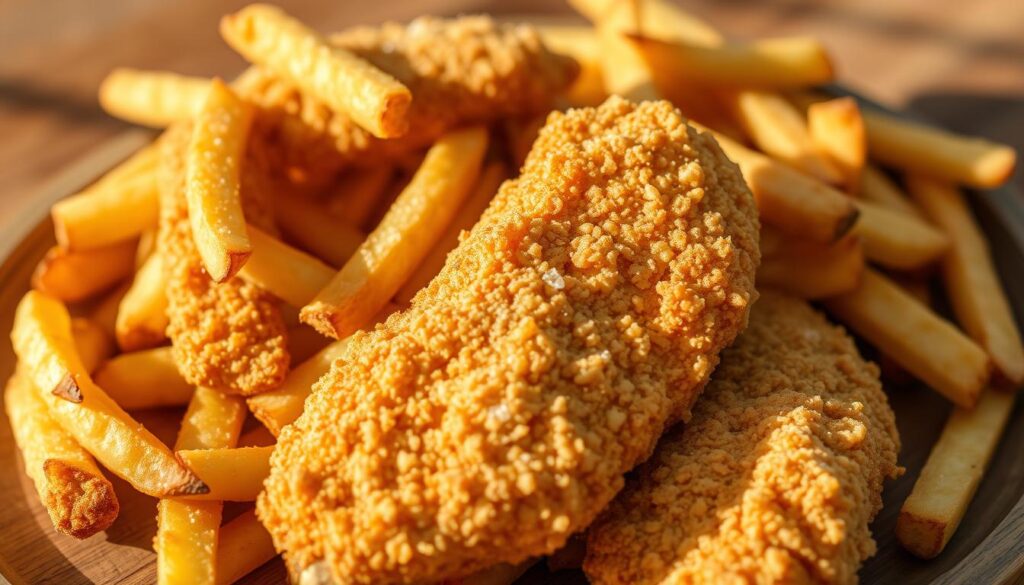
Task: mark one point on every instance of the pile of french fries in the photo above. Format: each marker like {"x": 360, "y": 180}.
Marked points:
{"x": 837, "y": 228}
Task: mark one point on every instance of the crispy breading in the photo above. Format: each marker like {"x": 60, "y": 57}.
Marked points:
{"x": 776, "y": 476}
{"x": 497, "y": 415}
{"x": 227, "y": 336}
{"x": 460, "y": 71}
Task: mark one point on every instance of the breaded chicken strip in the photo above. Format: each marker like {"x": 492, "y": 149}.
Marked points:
{"x": 227, "y": 336}
{"x": 497, "y": 415}
{"x": 776, "y": 476}
{"x": 460, "y": 71}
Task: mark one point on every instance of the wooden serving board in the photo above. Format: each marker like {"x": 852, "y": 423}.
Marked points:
{"x": 988, "y": 547}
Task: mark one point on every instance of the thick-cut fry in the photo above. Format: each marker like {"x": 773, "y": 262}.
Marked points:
{"x": 766, "y": 64}
{"x": 837, "y": 129}
{"x": 877, "y": 187}
{"x": 657, "y": 18}
{"x": 777, "y": 128}
{"x": 42, "y": 340}
{"x": 304, "y": 342}
{"x": 490, "y": 179}
{"x": 118, "y": 207}
{"x": 152, "y": 98}
{"x": 580, "y": 43}
{"x": 244, "y": 546}
{"x": 268, "y": 37}
{"x": 289, "y": 273}
{"x": 233, "y": 475}
{"x": 938, "y": 153}
{"x": 808, "y": 269}
{"x": 188, "y": 532}
{"x": 142, "y": 316}
{"x": 391, "y": 253}
{"x": 625, "y": 70}
{"x": 104, "y": 312}
{"x": 144, "y": 379}
{"x": 357, "y": 194}
{"x": 949, "y": 479}
{"x": 145, "y": 248}
{"x": 73, "y": 276}
{"x": 212, "y": 182}
{"x": 926, "y": 345}
{"x": 971, "y": 279}
{"x": 79, "y": 500}
{"x": 310, "y": 226}
{"x": 92, "y": 343}
{"x": 898, "y": 240}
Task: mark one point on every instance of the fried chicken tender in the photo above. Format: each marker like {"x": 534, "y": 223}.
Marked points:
{"x": 229, "y": 336}
{"x": 497, "y": 415}
{"x": 776, "y": 476}
{"x": 460, "y": 71}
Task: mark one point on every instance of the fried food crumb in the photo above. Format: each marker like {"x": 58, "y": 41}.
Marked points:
{"x": 497, "y": 415}
{"x": 776, "y": 476}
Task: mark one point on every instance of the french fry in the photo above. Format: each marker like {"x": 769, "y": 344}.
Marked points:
{"x": 74, "y": 276}
{"x": 837, "y": 129}
{"x": 104, "y": 312}
{"x": 212, "y": 182}
{"x": 287, "y": 272}
{"x": 777, "y": 128}
{"x": 244, "y": 546}
{"x": 978, "y": 299}
{"x": 946, "y": 486}
{"x": 118, "y": 207}
{"x": 233, "y": 475}
{"x": 282, "y": 406}
{"x": 304, "y": 342}
{"x": 898, "y": 240}
{"x": 765, "y": 64}
{"x": 142, "y": 316}
{"x": 580, "y": 43}
{"x": 877, "y": 187}
{"x": 657, "y": 18}
{"x": 152, "y": 98}
{"x": 42, "y": 340}
{"x": 809, "y": 270}
{"x": 937, "y": 153}
{"x": 926, "y": 345}
{"x": 145, "y": 248}
{"x": 258, "y": 436}
{"x": 316, "y": 231}
{"x": 391, "y": 253}
{"x": 625, "y": 70}
{"x": 268, "y": 37}
{"x": 144, "y": 379}
{"x": 79, "y": 500}
{"x": 357, "y": 194}
{"x": 188, "y": 532}
{"x": 490, "y": 179}
{"x": 92, "y": 343}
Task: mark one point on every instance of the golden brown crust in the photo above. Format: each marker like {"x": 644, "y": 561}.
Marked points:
{"x": 229, "y": 336}
{"x": 497, "y": 415}
{"x": 776, "y": 476}
{"x": 80, "y": 503}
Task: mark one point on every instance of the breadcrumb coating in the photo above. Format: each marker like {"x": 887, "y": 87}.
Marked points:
{"x": 460, "y": 71}
{"x": 497, "y": 415}
{"x": 776, "y": 476}
{"x": 229, "y": 336}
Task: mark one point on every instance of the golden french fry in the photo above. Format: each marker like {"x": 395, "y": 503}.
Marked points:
{"x": 118, "y": 207}
{"x": 144, "y": 379}
{"x": 810, "y": 270}
{"x": 92, "y": 343}
{"x": 315, "y": 230}
{"x": 946, "y": 486}
{"x": 212, "y": 182}
{"x": 145, "y": 248}
{"x": 188, "y": 532}
{"x": 930, "y": 151}
{"x": 626, "y": 71}
{"x": 304, "y": 342}
{"x": 837, "y": 129}
{"x": 289, "y": 273}
{"x": 877, "y": 187}
{"x": 104, "y": 312}
{"x": 152, "y": 98}
{"x": 923, "y": 343}
{"x": 357, "y": 194}
{"x": 656, "y": 18}
{"x": 268, "y": 37}
{"x": 244, "y": 546}
{"x": 233, "y": 475}
{"x": 74, "y": 276}
{"x": 778, "y": 129}
{"x": 391, "y": 253}
{"x": 898, "y": 240}
{"x": 487, "y": 185}
{"x": 42, "y": 340}
{"x": 79, "y": 500}
{"x": 580, "y": 43}
{"x": 978, "y": 299}
{"x": 142, "y": 316}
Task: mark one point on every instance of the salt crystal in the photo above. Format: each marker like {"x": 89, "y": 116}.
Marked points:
{"x": 554, "y": 279}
